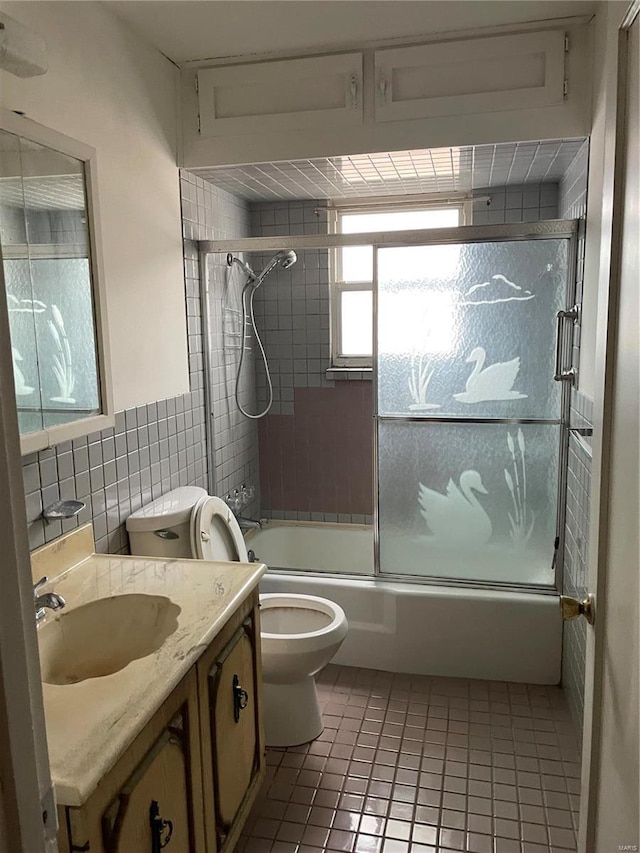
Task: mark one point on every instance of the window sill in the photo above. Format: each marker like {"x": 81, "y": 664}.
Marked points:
{"x": 354, "y": 373}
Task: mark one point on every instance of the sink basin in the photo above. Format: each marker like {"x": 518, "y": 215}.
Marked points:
{"x": 102, "y": 637}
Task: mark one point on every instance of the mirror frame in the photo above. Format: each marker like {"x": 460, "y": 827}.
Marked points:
{"x": 31, "y": 130}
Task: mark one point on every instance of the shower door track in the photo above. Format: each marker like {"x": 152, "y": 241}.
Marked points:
{"x": 421, "y": 580}
{"x": 396, "y": 239}
{"x": 454, "y": 420}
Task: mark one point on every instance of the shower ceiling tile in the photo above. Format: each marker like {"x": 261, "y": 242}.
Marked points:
{"x": 398, "y": 172}
{"x": 47, "y": 192}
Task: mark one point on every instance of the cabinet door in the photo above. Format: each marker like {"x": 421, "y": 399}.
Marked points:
{"x": 273, "y": 97}
{"x": 482, "y": 75}
{"x": 162, "y": 766}
{"x": 234, "y": 727}
{"x": 152, "y": 812}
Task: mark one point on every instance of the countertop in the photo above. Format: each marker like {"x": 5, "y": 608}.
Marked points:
{"x": 90, "y": 724}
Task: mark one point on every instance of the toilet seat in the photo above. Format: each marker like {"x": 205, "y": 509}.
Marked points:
{"x": 325, "y": 620}
{"x": 215, "y": 533}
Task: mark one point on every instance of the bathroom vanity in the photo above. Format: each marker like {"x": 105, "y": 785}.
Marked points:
{"x": 165, "y": 750}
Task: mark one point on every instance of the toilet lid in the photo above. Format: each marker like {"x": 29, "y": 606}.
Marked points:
{"x": 215, "y": 534}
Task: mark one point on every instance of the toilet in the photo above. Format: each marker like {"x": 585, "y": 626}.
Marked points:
{"x": 300, "y": 634}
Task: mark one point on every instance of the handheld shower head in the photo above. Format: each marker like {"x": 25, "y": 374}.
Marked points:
{"x": 285, "y": 258}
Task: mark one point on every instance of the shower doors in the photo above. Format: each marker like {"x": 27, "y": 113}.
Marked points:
{"x": 469, "y": 419}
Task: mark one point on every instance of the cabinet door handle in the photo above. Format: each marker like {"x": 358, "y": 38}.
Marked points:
{"x": 159, "y": 827}
{"x": 240, "y": 698}
{"x": 353, "y": 88}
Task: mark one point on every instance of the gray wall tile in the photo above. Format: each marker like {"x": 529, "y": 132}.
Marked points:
{"x": 576, "y": 554}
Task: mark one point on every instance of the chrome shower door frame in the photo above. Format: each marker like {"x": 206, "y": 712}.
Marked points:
{"x": 205, "y": 326}
{"x": 544, "y": 230}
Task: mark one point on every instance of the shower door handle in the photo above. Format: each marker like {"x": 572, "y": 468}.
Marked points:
{"x": 561, "y": 375}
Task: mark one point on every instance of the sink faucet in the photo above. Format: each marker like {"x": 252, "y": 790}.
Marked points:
{"x": 248, "y": 523}
{"x": 50, "y": 599}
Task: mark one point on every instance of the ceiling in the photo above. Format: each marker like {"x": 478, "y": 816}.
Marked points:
{"x": 438, "y": 170}
{"x": 48, "y": 192}
{"x": 184, "y": 30}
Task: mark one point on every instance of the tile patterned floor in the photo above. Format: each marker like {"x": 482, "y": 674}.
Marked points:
{"x": 414, "y": 764}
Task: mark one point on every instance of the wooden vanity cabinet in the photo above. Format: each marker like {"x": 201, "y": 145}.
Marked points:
{"x": 231, "y": 732}
{"x": 160, "y": 774}
{"x": 187, "y": 782}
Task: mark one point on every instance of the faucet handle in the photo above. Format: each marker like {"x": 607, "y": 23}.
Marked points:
{"x": 39, "y": 584}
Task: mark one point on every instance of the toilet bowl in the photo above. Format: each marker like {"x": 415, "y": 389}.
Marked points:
{"x": 300, "y": 634}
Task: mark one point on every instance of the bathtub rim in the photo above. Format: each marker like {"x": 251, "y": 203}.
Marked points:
{"x": 525, "y": 639}
{"x": 387, "y": 577}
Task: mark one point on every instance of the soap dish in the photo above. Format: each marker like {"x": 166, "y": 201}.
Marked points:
{"x": 62, "y": 509}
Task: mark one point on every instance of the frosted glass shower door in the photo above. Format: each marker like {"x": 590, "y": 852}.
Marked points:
{"x": 469, "y": 417}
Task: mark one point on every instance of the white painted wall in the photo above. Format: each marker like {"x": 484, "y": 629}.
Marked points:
{"x": 109, "y": 89}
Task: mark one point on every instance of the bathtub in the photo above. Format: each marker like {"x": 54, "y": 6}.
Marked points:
{"x": 408, "y": 627}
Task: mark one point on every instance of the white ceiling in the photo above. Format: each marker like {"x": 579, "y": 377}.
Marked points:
{"x": 185, "y": 30}
{"x": 437, "y": 170}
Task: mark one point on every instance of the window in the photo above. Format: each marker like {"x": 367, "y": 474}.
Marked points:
{"x": 352, "y": 272}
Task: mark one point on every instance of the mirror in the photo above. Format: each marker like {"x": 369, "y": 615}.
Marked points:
{"x": 48, "y": 272}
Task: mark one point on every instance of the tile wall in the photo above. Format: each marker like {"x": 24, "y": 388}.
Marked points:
{"x": 213, "y": 214}
{"x": 305, "y": 470}
{"x": 161, "y": 445}
{"x": 292, "y": 306}
{"x": 523, "y": 203}
{"x": 575, "y": 572}
{"x": 317, "y": 462}
{"x": 572, "y": 190}
{"x": 151, "y": 449}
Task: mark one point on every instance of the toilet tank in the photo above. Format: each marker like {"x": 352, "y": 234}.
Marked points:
{"x": 162, "y": 528}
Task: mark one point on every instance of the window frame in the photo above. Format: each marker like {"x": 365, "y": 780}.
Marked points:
{"x": 337, "y": 285}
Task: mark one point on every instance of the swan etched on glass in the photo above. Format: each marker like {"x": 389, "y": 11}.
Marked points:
{"x": 457, "y": 516}
{"x": 522, "y": 521}
{"x": 494, "y": 382}
{"x": 22, "y": 389}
